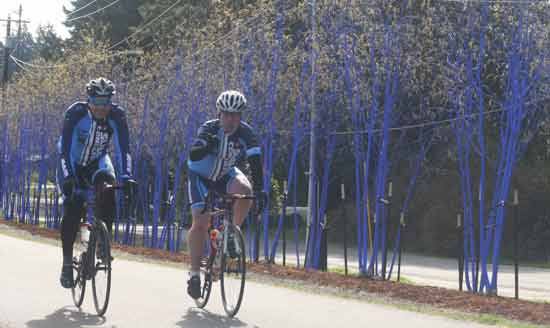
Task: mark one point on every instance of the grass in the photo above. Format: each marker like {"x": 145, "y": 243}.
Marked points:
{"x": 405, "y": 280}
{"x": 342, "y": 271}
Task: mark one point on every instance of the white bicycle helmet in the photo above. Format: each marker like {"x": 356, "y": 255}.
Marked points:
{"x": 231, "y": 101}
{"x": 100, "y": 87}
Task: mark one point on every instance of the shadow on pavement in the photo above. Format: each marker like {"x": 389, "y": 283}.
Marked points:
{"x": 197, "y": 318}
{"x": 67, "y": 317}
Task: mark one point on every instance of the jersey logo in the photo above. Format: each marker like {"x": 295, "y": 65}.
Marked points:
{"x": 234, "y": 150}
{"x": 100, "y": 143}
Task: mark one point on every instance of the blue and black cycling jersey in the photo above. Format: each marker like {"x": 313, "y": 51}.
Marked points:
{"x": 85, "y": 140}
{"x": 214, "y": 161}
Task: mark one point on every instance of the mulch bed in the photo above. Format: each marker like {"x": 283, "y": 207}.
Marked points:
{"x": 520, "y": 310}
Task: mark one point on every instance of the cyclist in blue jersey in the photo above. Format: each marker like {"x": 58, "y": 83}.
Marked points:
{"x": 88, "y": 129}
{"x": 220, "y": 147}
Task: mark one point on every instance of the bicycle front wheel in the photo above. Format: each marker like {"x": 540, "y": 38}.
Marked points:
{"x": 233, "y": 272}
{"x": 79, "y": 284}
{"x": 206, "y": 281}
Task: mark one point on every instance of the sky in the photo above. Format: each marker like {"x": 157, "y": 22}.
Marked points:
{"x": 39, "y": 12}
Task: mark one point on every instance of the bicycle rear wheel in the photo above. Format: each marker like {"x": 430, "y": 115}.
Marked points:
{"x": 233, "y": 273}
{"x": 101, "y": 280}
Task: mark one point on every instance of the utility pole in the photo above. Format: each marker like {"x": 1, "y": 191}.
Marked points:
{"x": 8, "y": 49}
{"x": 311, "y": 201}
{"x": 19, "y": 28}
{"x": 6, "y": 57}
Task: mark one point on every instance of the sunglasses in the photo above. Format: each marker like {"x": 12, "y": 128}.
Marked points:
{"x": 100, "y": 101}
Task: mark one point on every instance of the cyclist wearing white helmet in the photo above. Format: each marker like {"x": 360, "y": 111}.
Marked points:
{"x": 220, "y": 146}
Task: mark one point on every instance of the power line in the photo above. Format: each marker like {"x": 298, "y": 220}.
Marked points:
{"x": 93, "y": 12}
{"x": 81, "y": 8}
{"x": 34, "y": 65}
{"x": 420, "y": 125}
{"x": 175, "y": 3}
{"x": 499, "y": 1}
{"x": 223, "y": 37}
{"x": 245, "y": 23}
{"x": 146, "y": 25}
{"x": 120, "y": 53}
{"x": 409, "y": 127}
{"x": 21, "y": 66}
{"x": 227, "y": 35}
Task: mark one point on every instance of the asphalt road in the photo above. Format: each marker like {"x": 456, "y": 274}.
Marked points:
{"x": 153, "y": 295}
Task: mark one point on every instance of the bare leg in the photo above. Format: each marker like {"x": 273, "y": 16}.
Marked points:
{"x": 196, "y": 238}
{"x": 240, "y": 185}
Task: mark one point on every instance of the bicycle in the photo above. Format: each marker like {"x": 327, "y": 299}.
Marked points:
{"x": 93, "y": 248}
{"x": 218, "y": 263}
